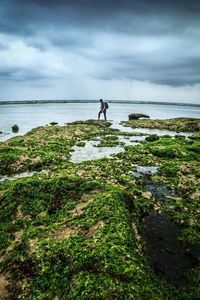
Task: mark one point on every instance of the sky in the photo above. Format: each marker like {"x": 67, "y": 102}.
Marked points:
{"x": 91, "y": 49}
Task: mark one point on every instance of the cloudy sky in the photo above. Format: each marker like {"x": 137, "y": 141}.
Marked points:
{"x": 91, "y": 49}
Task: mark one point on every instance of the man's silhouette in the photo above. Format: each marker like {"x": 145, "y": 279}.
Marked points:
{"x": 102, "y": 109}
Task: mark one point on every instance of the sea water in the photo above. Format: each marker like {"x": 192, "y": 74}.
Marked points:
{"x": 28, "y": 116}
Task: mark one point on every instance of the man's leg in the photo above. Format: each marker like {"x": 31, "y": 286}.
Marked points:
{"x": 99, "y": 114}
{"x": 104, "y": 112}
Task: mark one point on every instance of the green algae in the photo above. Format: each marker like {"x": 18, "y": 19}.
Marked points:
{"x": 176, "y": 124}
{"x": 46, "y": 146}
{"x": 152, "y": 138}
{"x": 109, "y": 141}
{"x": 75, "y": 233}
{"x": 80, "y": 144}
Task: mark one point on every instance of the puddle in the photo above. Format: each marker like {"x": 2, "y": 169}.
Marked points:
{"x": 168, "y": 257}
{"x": 91, "y": 152}
{"x": 119, "y": 126}
{"x": 21, "y": 175}
{"x": 141, "y": 171}
{"x": 160, "y": 191}
{"x": 131, "y": 140}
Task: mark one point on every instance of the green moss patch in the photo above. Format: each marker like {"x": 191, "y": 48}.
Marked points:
{"x": 76, "y": 231}
{"x": 176, "y": 124}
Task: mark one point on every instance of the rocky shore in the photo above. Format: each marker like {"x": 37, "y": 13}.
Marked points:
{"x": 119, "y": 227}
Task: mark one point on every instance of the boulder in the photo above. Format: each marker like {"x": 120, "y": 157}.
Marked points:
{"x": 53, "y": 123}
{"x": 15, "y": 128}
{"x": 137, "y": 116}
{"x": 152, "y": 138}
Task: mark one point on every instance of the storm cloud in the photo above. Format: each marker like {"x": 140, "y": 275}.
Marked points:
{"x": 76, "y": 49}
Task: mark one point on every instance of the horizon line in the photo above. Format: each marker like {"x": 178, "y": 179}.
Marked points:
{"x": 32, "y": 101}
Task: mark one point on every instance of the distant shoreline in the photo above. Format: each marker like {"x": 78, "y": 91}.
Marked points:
{"x": 95, "y": 101}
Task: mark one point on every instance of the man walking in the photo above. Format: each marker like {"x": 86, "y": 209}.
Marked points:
{"x": 103, "y": 108}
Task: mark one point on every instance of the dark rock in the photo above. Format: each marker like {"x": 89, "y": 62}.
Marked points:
{"x": 152, "y": 138}
{"x": 15, "y": 128}
{"x": 137, "y": 116}
{"x": 179, "y": 136}
{"x": 53, "y": 123}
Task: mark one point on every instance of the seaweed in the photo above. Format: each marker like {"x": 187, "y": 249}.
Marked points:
{"x": 77, "y": 231}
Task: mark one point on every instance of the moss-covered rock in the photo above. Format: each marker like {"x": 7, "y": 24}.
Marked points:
{"x": 136, "y": 116}
{"x": 15, "y": 128}
{"x": 80, "y": 144}
{"x": 109, "y": 141}
{"x": 152, "y": 138}
{"x": 76, "y": 231}
{"x": 53, "y": 123}
{"x": 176, "y": 124}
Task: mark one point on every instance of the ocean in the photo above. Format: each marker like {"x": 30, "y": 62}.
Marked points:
{"x": 28, "y": 116}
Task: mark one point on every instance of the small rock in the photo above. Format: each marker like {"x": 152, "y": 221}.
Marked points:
{"x": 191, "y": 223}
{"x": 15, "y": 128}
{"x": 53, "y": 123}
{"x": 80, "y": 173}
{"x": 147, "y": 195}
{"x": 152, "y": 138}
{"x": 195, "y": 196}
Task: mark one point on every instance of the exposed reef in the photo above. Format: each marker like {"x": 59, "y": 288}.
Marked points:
{"x": 176, "y": 124}
{"x": 123, "y": 227}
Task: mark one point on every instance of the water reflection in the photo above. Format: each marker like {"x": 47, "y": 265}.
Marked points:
{"x": 21, "y": 175}
{"x": 91, "y": 151}
{"x": 141, "y": 171}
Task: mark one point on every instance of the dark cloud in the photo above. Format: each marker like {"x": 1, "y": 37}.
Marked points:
{"x": 180, "y": 75}
{"x": 21, "y": 74}
{"x": 74, "y": 42}
{"x": 78, "y": 27}
{"x": 161, "y": 75}
{"x": 116, "y": 5}
{"x": 26, "y": 16}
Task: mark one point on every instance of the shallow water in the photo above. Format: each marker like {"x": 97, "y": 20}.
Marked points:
{"x": 141, "y": 171}
{"x": 91, "y": 151}
{"x": 132, "y": 140}
{"x": 168, "y": 256}
{"x": 160, "y": 191}
{"x": 21, "y": 175}
{"x": 28, "y": 116}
